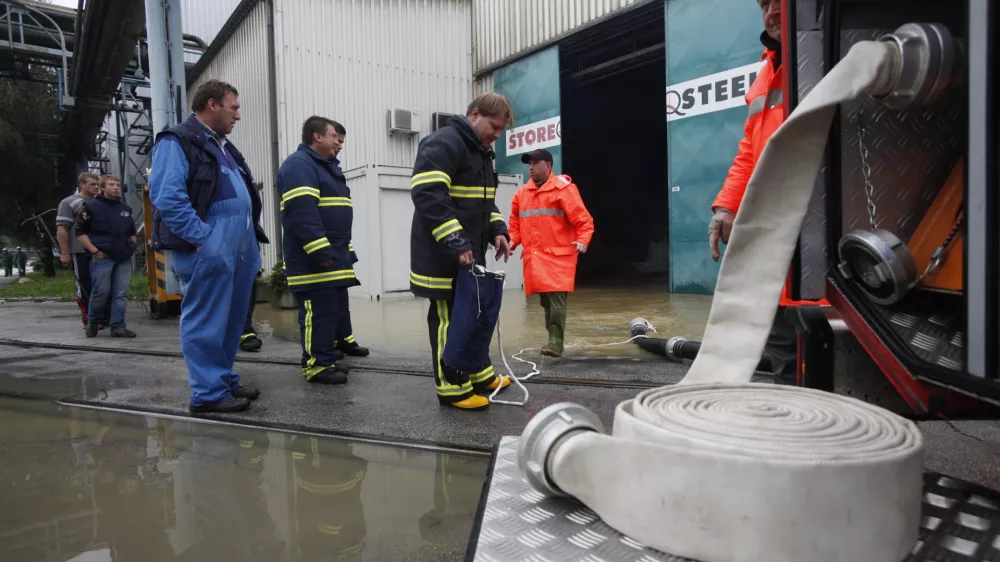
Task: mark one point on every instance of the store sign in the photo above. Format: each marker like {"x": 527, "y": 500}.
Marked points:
{"x": 708, "y": 94}
{"x": 540, "y": 134}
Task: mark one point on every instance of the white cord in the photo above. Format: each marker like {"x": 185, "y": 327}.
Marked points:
{"x": 534, "y": 366}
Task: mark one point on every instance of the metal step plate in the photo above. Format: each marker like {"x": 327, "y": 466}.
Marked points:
{"x": 961, "y": 523}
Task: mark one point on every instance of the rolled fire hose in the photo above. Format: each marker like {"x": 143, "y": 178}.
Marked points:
{"x": 676, "y": 348}
{"x": 718, "y": 469}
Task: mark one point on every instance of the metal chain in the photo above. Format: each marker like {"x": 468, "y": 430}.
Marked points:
{"x": 938, "y": 255}
{"x": 866, "y": 172}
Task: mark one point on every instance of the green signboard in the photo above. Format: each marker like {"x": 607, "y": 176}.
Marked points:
{"x": 713, "y": 53}
{"x": 532, "y": 86}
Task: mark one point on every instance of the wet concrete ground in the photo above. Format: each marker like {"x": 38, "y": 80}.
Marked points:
{"x": 79, "y": 484}
{"x": 389, "y": 402}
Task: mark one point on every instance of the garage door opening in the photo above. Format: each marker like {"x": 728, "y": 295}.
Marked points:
{"x": 614, "y": 145}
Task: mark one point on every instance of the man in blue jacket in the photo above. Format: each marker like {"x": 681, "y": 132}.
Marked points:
{"x": 105, "y": 228}
{"x": 208, "y": 213}
{"x": 316, "y": 215}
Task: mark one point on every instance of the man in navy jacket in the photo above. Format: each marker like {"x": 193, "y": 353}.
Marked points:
{"x": 208, "y": 213}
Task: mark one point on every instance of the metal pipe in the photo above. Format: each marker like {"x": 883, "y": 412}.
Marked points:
{"x": 159, "y": 66}
{"x": 175, "y": 41}
{"x": 676, "y": 348}
{"x": 272, "y": 110}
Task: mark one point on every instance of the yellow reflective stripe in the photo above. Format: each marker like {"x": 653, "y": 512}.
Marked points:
{"x": 317, "y": 244}
{"x": 430, "y": 177}
{"x": 354, "y": 549}
{"x": 472, "y": 192}
{"x": 444, "y": 387}
{"x": 314, "y": 447}
{"x": 483, "y": 375}
{"x": 335, "y": 202}
{"x": 349, "y": 339}
{"x": 299, "y": 192}
{"x": 449, "y": 227}
{"x": 308, "y": 339}
{"x": 298, "y": 456}
{"x": 350, "y": 247}
{"x": 245, "y": 336}
{"x": 328, "y": 529}
{"x": 330, "y": 488}
{"x": 310, "y": 372}
{"x": 245, "y": 443}
{"x": 494, "y": 217}
{"x": 339, "y": 275}
{"x": 431, "y": 282}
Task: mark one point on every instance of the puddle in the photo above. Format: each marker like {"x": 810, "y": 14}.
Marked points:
{"x": 597, "y": 316}
{"x": 86, "y": 485}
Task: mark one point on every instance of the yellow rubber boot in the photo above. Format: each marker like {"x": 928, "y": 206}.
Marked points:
{"x": 473, "y": 403}
{"x": 500, "y": 380}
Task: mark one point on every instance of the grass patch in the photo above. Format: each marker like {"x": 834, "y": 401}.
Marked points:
{"x": 63, "y": 286}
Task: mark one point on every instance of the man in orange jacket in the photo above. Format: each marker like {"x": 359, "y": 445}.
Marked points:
{"x": 548, "y": 217}
{"x": 765, "y": 101}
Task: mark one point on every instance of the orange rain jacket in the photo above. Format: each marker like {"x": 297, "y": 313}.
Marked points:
{"x": 765, "y": 101}
{"x": 547, "y": 220}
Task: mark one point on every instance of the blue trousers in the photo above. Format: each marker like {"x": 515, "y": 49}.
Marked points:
{"x": 110, "y": 281}
{"x": 324, "y": 319}
{"x": 217, "y": 283}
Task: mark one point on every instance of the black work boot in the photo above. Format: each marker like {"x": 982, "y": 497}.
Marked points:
{"x": 246, "y": 392}
{"x": 122, "y": 333}
{"x": 91, "y": 330}
{"x": 330, "y": 375}
{"x": 352, "y": 349}
{"x": 250, "y": 342}
{"x": 226, "y": 406}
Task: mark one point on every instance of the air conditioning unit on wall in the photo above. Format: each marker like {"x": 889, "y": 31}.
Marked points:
{"x": 403, "y": 121}
{"x": 439, "y": 120}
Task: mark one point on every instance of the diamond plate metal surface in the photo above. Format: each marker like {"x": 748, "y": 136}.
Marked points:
{"x": 960, "y": 523}
{"x": 912, "y": 153}
{"x": 935, "y": 333}
{"x": 520, "y": 524}
{"x": 812, "y": 240}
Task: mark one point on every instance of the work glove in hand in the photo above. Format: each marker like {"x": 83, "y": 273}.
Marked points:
{"x": 720, "y": 227}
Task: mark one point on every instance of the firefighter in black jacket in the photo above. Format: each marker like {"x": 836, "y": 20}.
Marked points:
{"x": 455, "y": 218}
{"x": 316, "y": 216}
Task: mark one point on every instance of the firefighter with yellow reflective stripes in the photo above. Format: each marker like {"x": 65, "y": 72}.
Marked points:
{"x": 455, "y": 219}
{"x": 316, "y": 215}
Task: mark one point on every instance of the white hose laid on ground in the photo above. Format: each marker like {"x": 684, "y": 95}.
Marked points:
{"x": 721, "y": 470}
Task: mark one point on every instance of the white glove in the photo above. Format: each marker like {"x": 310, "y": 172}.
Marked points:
{"x": 581, "y": 248}
{"x": 720, "y": 227}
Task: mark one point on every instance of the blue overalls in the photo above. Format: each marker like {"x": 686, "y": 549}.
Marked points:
{"x": 218, "y": 278}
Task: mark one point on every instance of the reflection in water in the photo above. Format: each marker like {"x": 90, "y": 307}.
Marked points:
{"x": 398, "y": 326}
{"x": 79, "y": 484}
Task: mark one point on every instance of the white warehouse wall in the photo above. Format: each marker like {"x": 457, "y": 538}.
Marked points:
{"x": 352, "y": 60}
{"x": 205, "y": 19}
{"x": 503, "y": 29}
{"x": 242, "y": 62}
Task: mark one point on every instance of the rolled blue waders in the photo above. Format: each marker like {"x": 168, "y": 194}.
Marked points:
{"x": 474, "y": 316}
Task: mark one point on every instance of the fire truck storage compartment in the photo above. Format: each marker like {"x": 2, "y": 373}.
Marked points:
{"x": 614, "y": 142}
{"x": 911, "y": 154}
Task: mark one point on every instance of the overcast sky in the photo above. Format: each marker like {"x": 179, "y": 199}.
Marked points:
{"x": 67, "y": 3}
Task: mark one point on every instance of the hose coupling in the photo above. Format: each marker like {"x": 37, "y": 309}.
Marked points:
{"x": 541, "y": 436}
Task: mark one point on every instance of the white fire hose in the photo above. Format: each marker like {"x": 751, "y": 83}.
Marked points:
{"x": 721, "y": 470}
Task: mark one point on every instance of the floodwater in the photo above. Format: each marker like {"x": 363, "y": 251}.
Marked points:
{"x": 87, "y": 485}
{"x": 597, "y": 317}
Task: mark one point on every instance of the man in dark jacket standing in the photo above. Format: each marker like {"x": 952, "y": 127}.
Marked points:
{"x": 317, "y": 215}
{"x": 208, "y": 213}
{"x": 455, "y": 218}
{"x": 106, "y": 229}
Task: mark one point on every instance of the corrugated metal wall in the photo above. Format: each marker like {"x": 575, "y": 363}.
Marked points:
{"x": 482, "y": 84}
{"x": 505, "y": 28}
{"x": 243, "y": 63}
{"x": 352, "y": 60}
{"x": 205, "y": 18}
